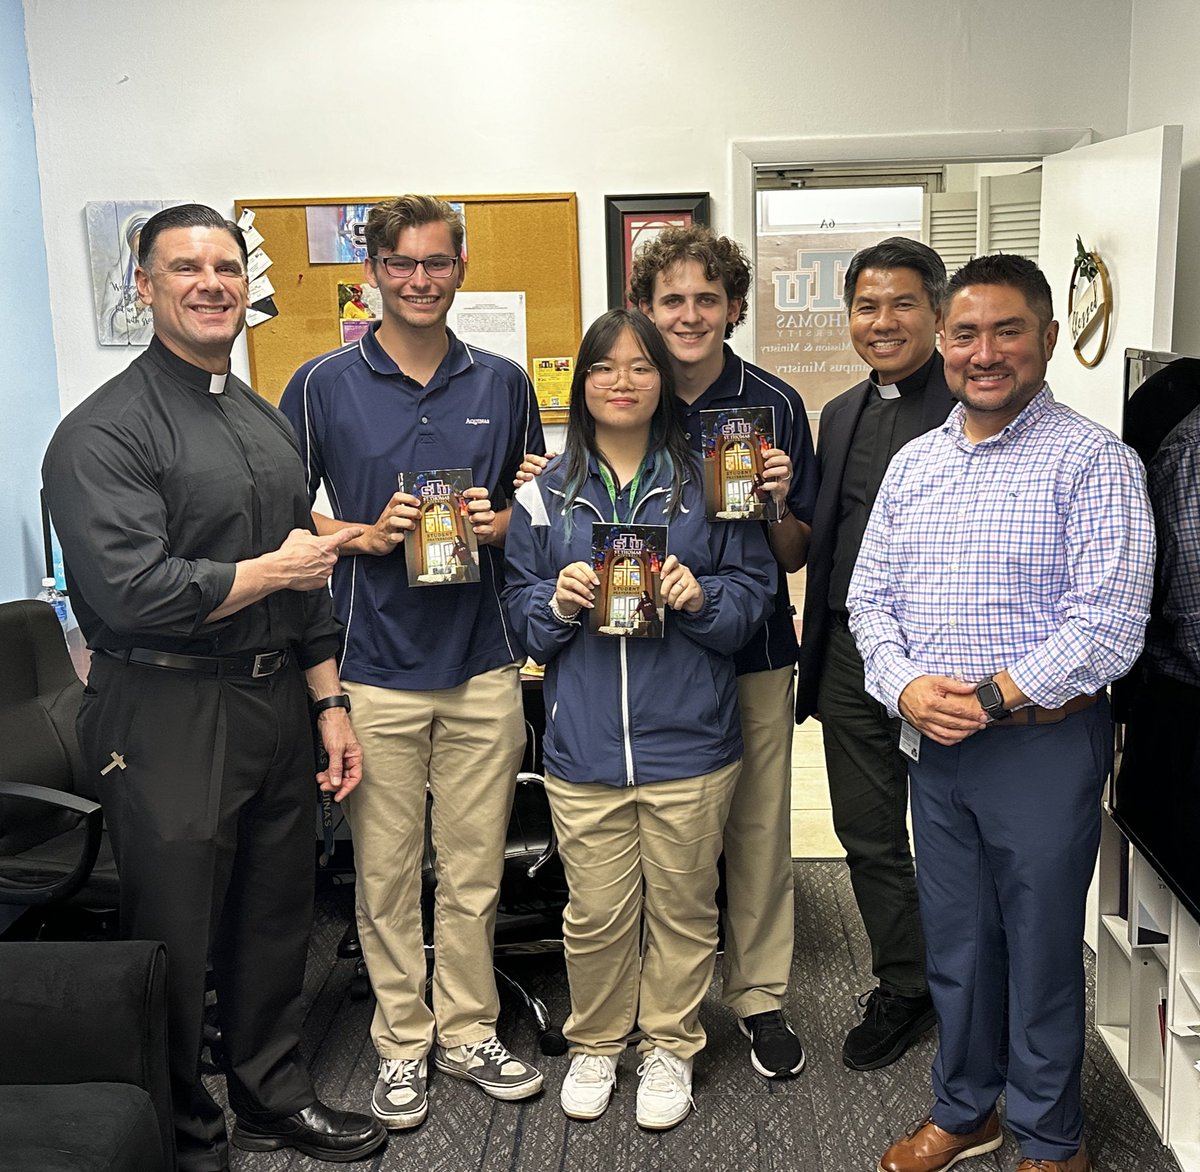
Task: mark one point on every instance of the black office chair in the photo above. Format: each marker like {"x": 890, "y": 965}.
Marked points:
{"x": 83, "y": 1068}
{"x": 53, "y": 849}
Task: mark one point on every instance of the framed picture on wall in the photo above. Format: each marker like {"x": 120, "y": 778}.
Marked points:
{"x": 632, "y": 220}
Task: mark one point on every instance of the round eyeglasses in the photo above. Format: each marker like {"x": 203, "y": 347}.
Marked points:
{"x": 405, "y": 266}
{"x": 641, "y": 375}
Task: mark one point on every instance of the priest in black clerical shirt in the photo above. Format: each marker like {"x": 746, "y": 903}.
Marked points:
{"x": 179, "y": 498}
{"x": 893, "y": 294}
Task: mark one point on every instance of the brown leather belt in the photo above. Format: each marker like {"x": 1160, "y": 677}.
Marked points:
{"x": 252, "y": 665}
{"x": 1036, "y": 714}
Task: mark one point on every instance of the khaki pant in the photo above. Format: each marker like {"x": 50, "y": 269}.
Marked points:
{"x": 760, "y": 924}
{"x": 465, "y": 744}
{"x": 666, "y": 835}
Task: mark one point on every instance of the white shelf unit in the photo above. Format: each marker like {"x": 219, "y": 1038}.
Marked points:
{"x": 1152, "y": 952}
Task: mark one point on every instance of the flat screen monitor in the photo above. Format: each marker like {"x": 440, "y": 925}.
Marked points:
{"x": 1155, "y": 796}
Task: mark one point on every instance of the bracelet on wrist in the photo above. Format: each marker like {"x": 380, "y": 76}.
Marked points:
{"x": 341, "y": 700}
{"x": 569, "y": 620}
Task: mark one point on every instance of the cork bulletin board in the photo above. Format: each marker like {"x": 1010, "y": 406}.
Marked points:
{"x": 524, "y": 242}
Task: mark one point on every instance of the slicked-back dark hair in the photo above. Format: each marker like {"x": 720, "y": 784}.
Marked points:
{"x": 186, "y": 215}
{"x": 1006, "y": 268}
{"x": 720, "y": 258}
{"x": 899, "y": 252}
{"x": 667, "y": 444}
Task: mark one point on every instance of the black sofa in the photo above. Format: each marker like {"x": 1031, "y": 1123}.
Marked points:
{"x": 83, "y": 1057}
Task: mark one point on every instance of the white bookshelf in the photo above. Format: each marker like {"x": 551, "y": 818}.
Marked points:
{"x": 1154, "y": 948}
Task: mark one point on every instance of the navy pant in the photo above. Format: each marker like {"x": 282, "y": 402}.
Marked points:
{"x": 1007, "y": 825}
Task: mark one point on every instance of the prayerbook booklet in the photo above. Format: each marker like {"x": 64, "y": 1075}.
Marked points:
{"x": 734, "y": 442}
{"x": 628, "y": 560}
{"x": 442, "y": 550}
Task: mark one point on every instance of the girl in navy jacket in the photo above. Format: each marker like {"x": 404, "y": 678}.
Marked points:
{"x": 643, "y": 743}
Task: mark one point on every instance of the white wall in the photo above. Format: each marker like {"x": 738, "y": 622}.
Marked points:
{"x": 1164, "y": 87}
{"x": 260, "y": 98}
{"x": 1121, "y": 197}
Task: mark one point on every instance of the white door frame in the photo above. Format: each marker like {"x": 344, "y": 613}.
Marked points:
{"x": 942, "y": 146}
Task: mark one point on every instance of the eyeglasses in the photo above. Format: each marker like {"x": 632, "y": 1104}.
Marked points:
{"x": 604, "y": 375}
{"x": 405, "y": 266}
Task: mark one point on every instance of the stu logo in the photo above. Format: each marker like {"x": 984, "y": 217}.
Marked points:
{"x": 815, "y": 283}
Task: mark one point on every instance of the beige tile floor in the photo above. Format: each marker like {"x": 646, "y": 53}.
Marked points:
{"x": 812, "y": 824}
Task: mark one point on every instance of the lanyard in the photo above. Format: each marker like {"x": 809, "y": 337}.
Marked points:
{"x": 612, "y": 489}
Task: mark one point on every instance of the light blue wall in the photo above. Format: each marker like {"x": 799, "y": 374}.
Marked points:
{"x": 28, "y": 372}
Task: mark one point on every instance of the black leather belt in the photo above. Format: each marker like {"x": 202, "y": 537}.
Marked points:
{"x": 252, "y": 665}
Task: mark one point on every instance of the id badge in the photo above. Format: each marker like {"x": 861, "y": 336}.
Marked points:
{"x": 910, "y": 741}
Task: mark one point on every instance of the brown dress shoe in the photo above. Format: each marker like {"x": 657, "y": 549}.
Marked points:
{"x": 925, "y": 1147}
{"x": 1079, "y": 1162}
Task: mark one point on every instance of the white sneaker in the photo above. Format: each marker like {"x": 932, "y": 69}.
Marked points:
{"x": 588, "y": 1086}
{"x": 664, "y": 1095}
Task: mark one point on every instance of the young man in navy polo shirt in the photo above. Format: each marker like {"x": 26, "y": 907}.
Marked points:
{"x": 693, "y": 285}
{"x": 431, "y": 671}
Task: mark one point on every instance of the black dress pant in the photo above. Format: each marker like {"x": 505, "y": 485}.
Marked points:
{"x": 868, "y": 792}
{"x": 207, "y": 787}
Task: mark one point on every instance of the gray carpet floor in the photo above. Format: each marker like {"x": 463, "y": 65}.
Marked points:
{"x": 829, "y": 1119}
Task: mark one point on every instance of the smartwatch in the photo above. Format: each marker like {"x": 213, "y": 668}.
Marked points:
{"x": 341, "y": 700}
{"x": 990, "y": 698}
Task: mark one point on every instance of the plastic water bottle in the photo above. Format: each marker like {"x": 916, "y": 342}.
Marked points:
{"x": 57, "y": 599}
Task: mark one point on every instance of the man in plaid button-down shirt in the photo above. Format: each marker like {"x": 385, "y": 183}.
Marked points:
{"x": 1004, "y": 579}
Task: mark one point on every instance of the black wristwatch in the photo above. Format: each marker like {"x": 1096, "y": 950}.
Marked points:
{"x": 990, "y": 698}
{"x": 341, "y": 700}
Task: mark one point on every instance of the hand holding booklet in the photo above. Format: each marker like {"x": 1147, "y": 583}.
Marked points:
{"x": 734, "y": 442}
{"x": 628, "y": 560}
{"x": 442, "y": 550}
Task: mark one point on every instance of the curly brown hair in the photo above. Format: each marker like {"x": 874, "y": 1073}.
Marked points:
{"x": 720, "y": 258}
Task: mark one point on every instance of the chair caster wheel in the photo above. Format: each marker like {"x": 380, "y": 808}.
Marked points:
{"x": 552, "y": 1043}
{"x": 360, "y": 983}
{"x": 350, "y": 947}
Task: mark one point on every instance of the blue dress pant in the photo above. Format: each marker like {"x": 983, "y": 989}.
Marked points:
{"x": 1007, "y": 825}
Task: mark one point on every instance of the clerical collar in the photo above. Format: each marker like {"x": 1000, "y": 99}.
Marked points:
{"x": 187, "y": 373}
{"x": 913, "y": 384}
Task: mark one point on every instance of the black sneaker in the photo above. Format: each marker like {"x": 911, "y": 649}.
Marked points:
{"x": 890, "y": 1024}
{"x": 775, "y": 1051}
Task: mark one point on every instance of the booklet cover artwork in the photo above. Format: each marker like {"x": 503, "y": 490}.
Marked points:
{"x": 628, "y": 560}
{"x": 734, "y": 444}
{"x": 442, "y": 550}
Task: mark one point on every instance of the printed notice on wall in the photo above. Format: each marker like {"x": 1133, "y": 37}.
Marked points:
{"x": 552, "y": 385}
{"x": 491, "y": 321}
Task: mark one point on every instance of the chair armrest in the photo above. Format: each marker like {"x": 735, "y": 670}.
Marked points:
{"x": 551, "y": 847}
{"x": 19, "y": 891}
{"x": 87, "y": 1012}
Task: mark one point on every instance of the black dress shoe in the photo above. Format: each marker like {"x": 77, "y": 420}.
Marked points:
{"x": 890, "y": 1024}
{"x": 325, "y": 1133}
